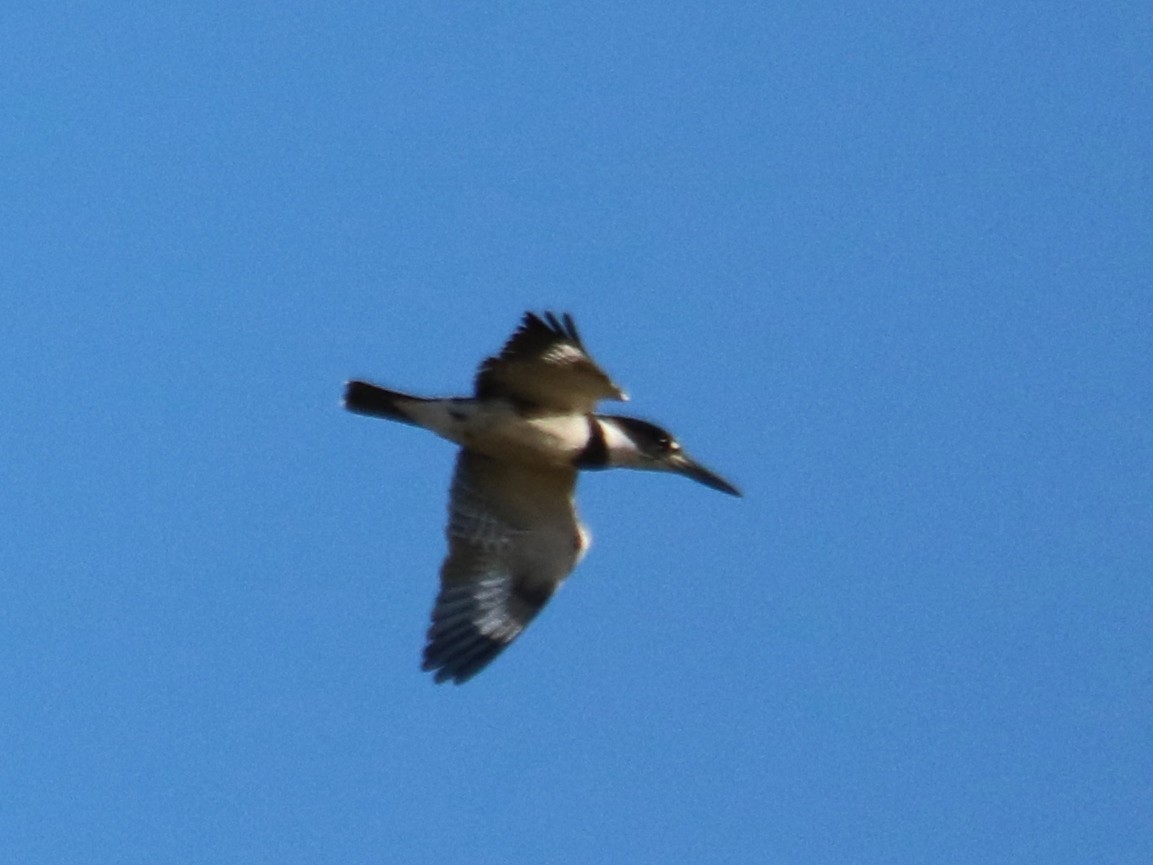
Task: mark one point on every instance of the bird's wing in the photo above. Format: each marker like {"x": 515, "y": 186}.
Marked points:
{"x": 513, "y": 537}
{"x": 545, "y": 364}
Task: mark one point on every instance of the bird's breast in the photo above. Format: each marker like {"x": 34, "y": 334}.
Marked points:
{"x": 513, "y": 437}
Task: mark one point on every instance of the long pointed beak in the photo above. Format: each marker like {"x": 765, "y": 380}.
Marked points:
{"x": 687, "y": 466}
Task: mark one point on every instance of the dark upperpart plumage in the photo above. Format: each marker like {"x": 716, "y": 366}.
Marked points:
{"x": 544, "y": 364}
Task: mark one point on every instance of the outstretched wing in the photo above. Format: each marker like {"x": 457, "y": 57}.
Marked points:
{"x": 513, "y": 537}
{"x": 545, "y": 364}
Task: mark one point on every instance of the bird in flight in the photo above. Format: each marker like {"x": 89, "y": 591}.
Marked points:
{"x": 513, "y": 531}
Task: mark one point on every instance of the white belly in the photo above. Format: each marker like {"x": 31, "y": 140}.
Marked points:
{"x": 552, "y": 439}
{"x": 501, "y": 432}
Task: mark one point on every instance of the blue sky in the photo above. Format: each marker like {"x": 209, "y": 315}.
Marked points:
{"x": 886, "y": 269}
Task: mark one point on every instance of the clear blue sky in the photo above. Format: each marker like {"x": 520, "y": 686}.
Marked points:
{"x": 887, "y": 269}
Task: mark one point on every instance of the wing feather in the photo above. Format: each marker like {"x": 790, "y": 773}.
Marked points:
{"x": 545, "y": 364}
{"x": 513, "y": 538}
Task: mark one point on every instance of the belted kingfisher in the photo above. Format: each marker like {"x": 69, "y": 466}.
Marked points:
{"x": 513, "y": 531}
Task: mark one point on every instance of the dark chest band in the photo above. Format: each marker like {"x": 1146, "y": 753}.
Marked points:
{"x": 595, "y": 454}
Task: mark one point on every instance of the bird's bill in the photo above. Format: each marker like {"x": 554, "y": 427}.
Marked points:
{"x": 690, "y": 468}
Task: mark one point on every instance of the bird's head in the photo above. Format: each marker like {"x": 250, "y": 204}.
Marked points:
{"x": 639, "y": 444}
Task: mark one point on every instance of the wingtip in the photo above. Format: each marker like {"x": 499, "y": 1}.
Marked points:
{"x": 444, "y": 675}
{"x": 457, "y": 664}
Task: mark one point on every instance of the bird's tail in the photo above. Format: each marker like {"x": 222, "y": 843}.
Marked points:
{"x": 364, "y": 398}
